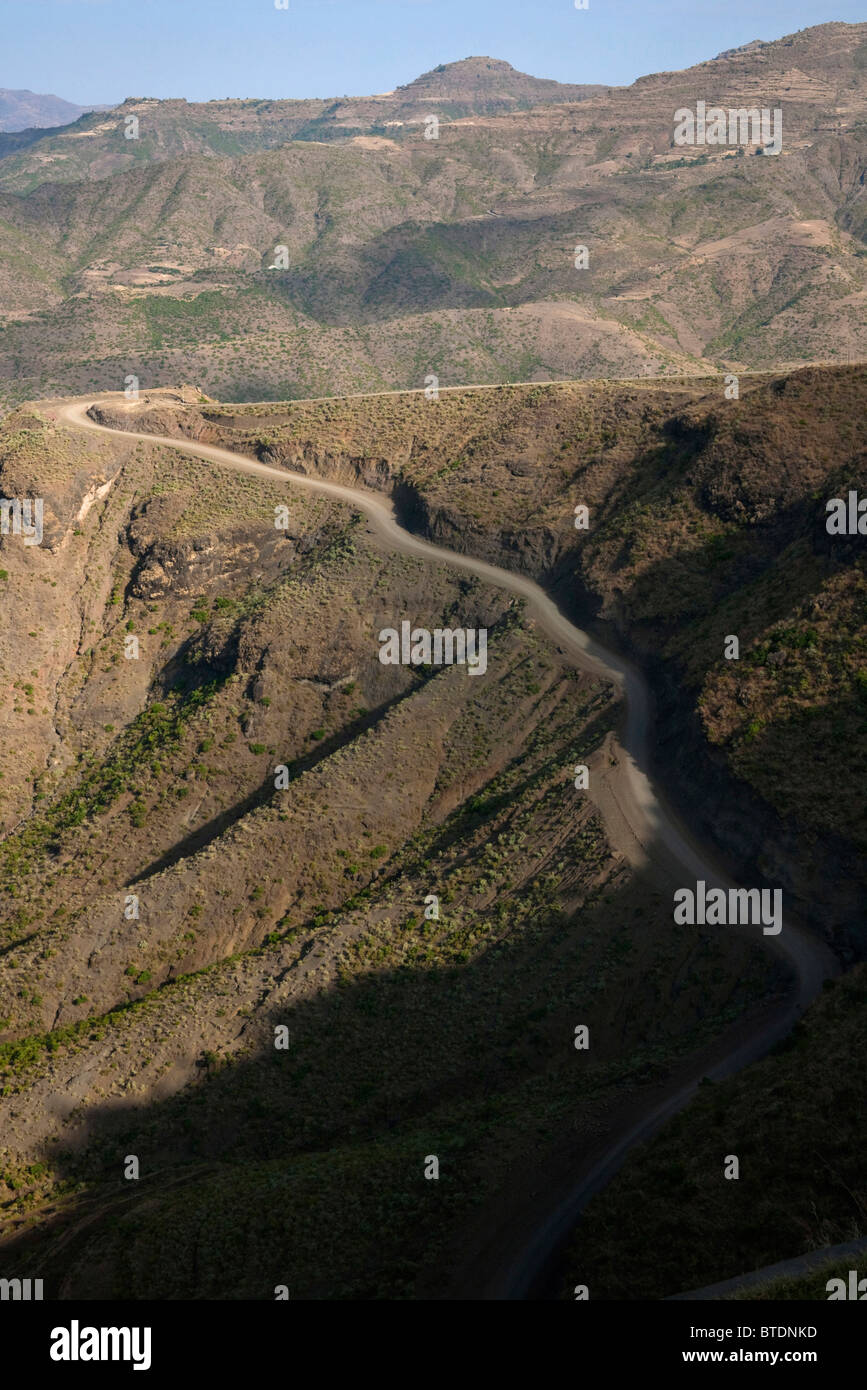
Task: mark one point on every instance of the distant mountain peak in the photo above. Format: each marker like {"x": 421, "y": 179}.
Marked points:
{"x": 466, "y": 69}
{"x": 24, "y": 110}
{"x": 489, "y": 78}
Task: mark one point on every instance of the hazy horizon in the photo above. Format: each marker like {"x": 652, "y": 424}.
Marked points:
{"x": 362, "y": 47}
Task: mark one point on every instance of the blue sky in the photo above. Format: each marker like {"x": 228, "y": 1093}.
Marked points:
{"x": 105, "y": 50}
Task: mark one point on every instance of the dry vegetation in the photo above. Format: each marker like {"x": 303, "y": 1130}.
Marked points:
{"x": 457, "y": 256}
{"x": 707, "y": 519}
{"x": 305, "y": 907}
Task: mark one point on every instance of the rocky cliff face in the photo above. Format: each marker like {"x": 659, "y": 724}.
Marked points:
{"x": 53, "y": 591}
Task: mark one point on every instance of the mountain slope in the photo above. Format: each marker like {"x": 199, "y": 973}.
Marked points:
{"x": 709, "y": 519}
{"x": 406, "y": 257}
{"x": 300, "y": 906}
{"x": 24, "y": 110}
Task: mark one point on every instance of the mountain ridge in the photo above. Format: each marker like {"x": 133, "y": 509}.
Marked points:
{"x": 21, "y": 109}
{"x": 454, "y": 255}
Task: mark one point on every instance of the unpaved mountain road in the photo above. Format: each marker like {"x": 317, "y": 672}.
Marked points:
{"x": 638, "y": 823}
{"x": 786, "y": 1269}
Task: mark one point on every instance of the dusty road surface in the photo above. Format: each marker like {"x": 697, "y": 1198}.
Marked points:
{"x": 786, "y": 1269}
{"x": 638, "y": 824}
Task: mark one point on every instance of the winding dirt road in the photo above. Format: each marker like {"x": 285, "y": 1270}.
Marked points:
{"x": 637, "y": 821}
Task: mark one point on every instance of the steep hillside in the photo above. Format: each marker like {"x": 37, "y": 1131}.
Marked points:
{"x": 169, "y": 905}
{"x": 274, "y": 250}
{"x": 707, "y": 518}
{"x": 671, "y": 1221}
{"x": 303, "y": 905}
{"x": 98, "y": 147}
